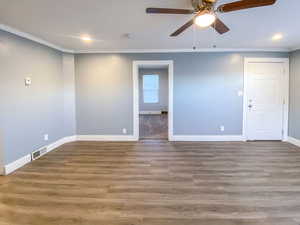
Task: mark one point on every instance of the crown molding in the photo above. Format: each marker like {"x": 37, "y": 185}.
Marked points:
{"x": 185, "y": 50}
{"x": 59, "y": 48}
{"x": 33, "y": 38}
{"x": 294, "y": 49}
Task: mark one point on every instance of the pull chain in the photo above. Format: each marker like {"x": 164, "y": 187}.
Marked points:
{"x": 194, "y": 37}
{"x": 215, "y": 36}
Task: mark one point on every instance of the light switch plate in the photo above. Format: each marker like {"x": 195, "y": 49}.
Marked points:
{"x": 240, "y": 93}
{"x": 27, "y": 81}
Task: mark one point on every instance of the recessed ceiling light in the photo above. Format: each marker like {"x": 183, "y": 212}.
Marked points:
{"x": 86, "y": 38}
{"x": 277, "y": 37}
{"x": 127, "y": 36}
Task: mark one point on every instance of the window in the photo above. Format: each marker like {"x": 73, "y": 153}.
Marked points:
{"x": 151, "y": 88}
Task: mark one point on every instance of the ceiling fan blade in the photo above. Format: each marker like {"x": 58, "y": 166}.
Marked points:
{"x": 244, "y": 4}
{"x": 169, "y": 11}
{"x": 220, "y": 27}
{"x": 183, "y": 28}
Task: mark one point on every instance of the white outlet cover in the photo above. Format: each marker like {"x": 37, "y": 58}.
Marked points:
{"x": 222, "y": 128}
{"x": 240, "y": 93}
{"x": 124, "y": 130}
{"x": 46, "y": 137}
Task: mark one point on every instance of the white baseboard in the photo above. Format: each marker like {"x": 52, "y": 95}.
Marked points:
{"x": 11, "y": 167}
{"x": 207, "y": 138}
{"x": 293, "y": 141}
{"x": 106, "y": 138}
{"x": 150, "y": 112}
{"x": 60, "y": 142}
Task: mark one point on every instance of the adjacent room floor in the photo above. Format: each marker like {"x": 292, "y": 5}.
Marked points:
{"x": 156, "y": 183}
{"x": 154, "y": 126}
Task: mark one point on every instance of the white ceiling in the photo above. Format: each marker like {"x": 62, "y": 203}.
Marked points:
{"x": 62, "y": 22}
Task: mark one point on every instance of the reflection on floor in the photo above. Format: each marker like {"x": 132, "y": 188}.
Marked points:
{"x": 154, "y": 126}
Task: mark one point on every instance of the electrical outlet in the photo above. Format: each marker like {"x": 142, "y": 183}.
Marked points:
{"x": 222, "y": 128}
{"x": 46, "y": 137}
{"x": 124, "y": 130}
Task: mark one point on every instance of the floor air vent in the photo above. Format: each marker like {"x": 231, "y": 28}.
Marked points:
{"x": 37, "y": 154}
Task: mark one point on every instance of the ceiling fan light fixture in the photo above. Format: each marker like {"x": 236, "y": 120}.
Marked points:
{"x": 205, "y": 20}
{"x": 86, "y": 38}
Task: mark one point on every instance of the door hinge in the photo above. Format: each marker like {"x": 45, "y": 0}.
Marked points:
{"x": 282, "y": 132}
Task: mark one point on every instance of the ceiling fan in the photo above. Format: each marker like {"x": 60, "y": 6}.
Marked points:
{"x": 205, "y": 13}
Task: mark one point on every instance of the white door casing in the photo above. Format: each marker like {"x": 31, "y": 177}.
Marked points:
{"x": 266, "y": 99}
{"x": 151, "y": 63}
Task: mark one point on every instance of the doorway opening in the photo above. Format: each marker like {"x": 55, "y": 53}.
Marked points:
{"x": 153, "y": 103}
{"x": 153, "y": 100}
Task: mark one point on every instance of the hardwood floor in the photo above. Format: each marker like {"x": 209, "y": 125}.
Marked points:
{"x": 156, "y": 183}
{"x": 154, "y": 126}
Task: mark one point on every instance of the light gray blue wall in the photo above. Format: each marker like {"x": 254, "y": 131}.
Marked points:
{"x": 103, "y": 94}
{"x": 205, "y": 92}
{"x": 68, "y": 66}
{"x": 162, "y": 105}
{"x": 294, "y": 117}
{"x": 27, "y": 113}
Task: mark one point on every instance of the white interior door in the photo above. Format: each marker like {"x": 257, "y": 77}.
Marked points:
{"x": 265, "y": 100}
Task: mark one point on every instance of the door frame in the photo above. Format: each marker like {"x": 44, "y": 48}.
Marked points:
{"x": 136, "y": 65}
{"x": 285, "y": 115}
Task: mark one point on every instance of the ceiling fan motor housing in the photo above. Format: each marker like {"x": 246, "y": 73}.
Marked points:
{"x": 203, "y": 4}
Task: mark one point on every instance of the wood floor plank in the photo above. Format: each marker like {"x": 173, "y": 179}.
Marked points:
{"x": 156, "y": 183}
